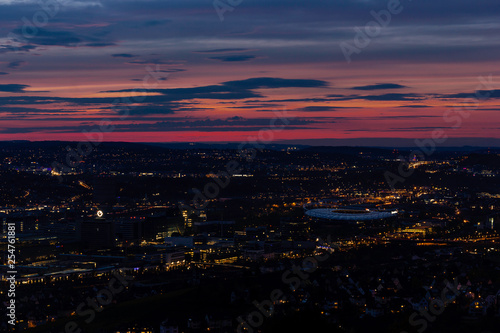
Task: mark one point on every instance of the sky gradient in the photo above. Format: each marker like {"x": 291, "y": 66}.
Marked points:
{"x": 205, "y": 71}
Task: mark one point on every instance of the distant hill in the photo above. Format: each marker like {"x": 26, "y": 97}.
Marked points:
{"x": 368, "y": 151}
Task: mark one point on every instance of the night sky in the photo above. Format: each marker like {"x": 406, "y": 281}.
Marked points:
{"x": 199, "y": 70}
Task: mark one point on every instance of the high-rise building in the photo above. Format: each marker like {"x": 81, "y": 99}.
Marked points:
{"x": 190, "y": 217}
{"x": 129, "y": 229}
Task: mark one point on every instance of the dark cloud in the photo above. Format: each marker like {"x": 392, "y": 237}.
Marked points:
{"x": 12, "y": 48}
{"x": 234, "y": 58}
{"x": 270, "y": 82}
{"x": 51, "y": 38}
{"x": 414, "y": 106}
{"x": 21, "y": 110}
{"x": 150, "y": 62}
{"x": 404, "y": 117}
{"x": 420, "y": 128}
{"x": 230, "y": 90}
{"x": 4, "y": 73}
{"x": 16, "y": 64}
{"x": 172, "y": 70}
{"x": 443, "y": 31}
{"x": 201, "y": 125}
{"x": 319, "y": 108}
{"x": 312, "y": 100}
{"x": 123, "y": 55}
{"x": 99, "y": 44}
{"x": 13, "y": 88}
{"x": 381, "y": 117}
{"x": 256, "y": 106}
{"x": 384, "y": 97}
{"x": 158, "y": 78}
{"x": 380, "y": 86}
{"x": 168, "y": 101}
{"x": 223, "y": 51}
{"x": 480, "y": 94}
{"x": 44, "y": 37}
{"x": 488, "y": 109}
{"x": 28, "y": 100}
{"x": 217, "y": 125}
{"x": 166, "y": 108}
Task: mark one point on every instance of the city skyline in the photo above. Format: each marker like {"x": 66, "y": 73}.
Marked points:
{"x": 263, "y": 166}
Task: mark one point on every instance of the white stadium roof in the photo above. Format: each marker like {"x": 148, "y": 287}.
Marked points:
{"x": 348, "y": 215}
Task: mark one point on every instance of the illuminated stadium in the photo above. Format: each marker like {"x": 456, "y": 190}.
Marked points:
{"x": 353, "y": 215}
